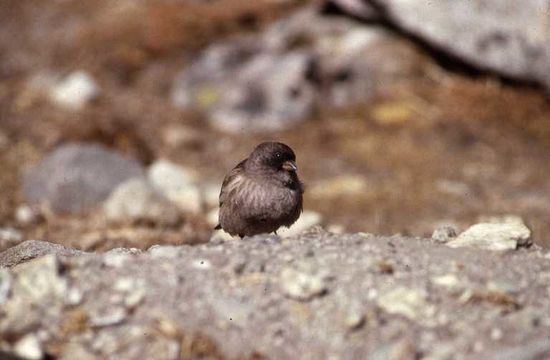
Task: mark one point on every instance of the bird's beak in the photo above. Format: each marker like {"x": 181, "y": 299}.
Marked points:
{"x": 289, "y": 166}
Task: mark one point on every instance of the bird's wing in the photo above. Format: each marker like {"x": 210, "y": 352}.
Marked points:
{"x": 231, "y": 180}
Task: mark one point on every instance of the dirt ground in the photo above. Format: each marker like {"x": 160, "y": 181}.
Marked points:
{"x": 449, "y": 148}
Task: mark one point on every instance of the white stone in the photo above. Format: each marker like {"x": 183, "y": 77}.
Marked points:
{"x": 493, "y": 236}
{"x": 135, "y": 200}
{"x": 449, "y": 281}
{"x": 28, "y": 348}
{"x": 25, "y": 215}
{"x": 74, "y": 91}
{"x": 410, "y": 303}
{"x": 74, "y": 297}
{"x": 10, "y": 235}
{"x": 177, "y": 184}
{"x": 307, "y": 220}
{"x": 301, "y": 285}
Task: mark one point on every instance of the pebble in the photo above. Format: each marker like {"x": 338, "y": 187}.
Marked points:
{"x": 27, "y": 215}
{"x": 115, "y": 316}
{"x": 450, "y": 281}
{"x": 355, "y": 317}
{"x": 443, "y": 234}
{"x": 29, "y": 347}
{"x": 410, "y": 303}
{"x": 75, "y": 91}
{"x": 300, "y": 285}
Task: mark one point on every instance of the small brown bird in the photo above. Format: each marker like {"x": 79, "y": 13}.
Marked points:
{"x": 261, "y": 193}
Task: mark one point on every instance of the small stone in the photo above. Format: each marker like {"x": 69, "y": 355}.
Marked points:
{"x": 29, "y": 347}
{"x": 496, "y": 334}
{"x": 443, "y": 234}
{"x": 302, "y": 285}
{"x": 114, "y": 316}
{"x": 133, "y": 289}
{"x": 449, "y": 281}
{"x": 494, "y": 236}
{"x": 177, "y": 184}
{"x": 75, "y": 91}
{"x": 9, "y": 237}
{"x": 355, "y": 318}
{"x": 410, "y": 303}
{"x": 135, "y": 200}
{"x": 74, "y": 297}
{"x": 27, "y": 215}
{"x": 307, "y": 220}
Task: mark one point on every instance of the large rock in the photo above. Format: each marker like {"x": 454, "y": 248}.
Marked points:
{"x": 76, "y": 177}
{"x": 278, "y": 78}
{"x": 314, "y": 296}
{"x": 505, "y": 36}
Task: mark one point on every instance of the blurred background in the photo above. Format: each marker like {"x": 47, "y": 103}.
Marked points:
{"x": 119, "y": 119}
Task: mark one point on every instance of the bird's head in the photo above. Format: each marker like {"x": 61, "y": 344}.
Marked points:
{"x": 275, "y": 156}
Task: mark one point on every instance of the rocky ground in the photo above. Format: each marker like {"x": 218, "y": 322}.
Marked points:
{"x": 118, "y": 121}
{"x": 316, "y": 295}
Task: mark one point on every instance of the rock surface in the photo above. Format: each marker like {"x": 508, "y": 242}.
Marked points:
{"x": 326, "y": 62}
{"x": 317, "y": 295}
{"x": 31, "y": 249}
{"x": 78, "y": 176}
{"x": 504, "y": 36}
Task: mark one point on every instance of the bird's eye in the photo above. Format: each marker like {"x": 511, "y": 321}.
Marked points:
{"x": 278, "y": 155}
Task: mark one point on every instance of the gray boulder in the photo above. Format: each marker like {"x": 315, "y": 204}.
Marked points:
{"x": 76, "y": 177}
{"x": 509, "y": 37}
{"x": 280, "y": 77}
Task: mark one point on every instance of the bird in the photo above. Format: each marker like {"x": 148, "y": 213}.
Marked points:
{"x": 262, "y": 193}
